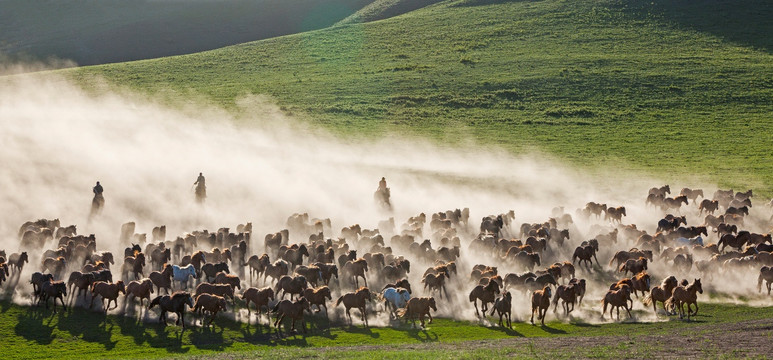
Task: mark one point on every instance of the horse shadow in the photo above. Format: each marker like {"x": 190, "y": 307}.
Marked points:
{"x": 551, "y": 330}
{"x": 363, "y": 330}
{"x": 80, "y": 322}
{"x": 421, "y": 334}
{"x": 30, "y": 326}
{"x": 208, "y": 338}
{"x": 506, "y": 330}
{"x": 258, "y": 336}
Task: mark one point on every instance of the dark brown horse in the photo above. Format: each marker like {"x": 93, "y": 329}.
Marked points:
{"x": 661, "y": 293}
{"x": 486, "y": 294}
{"x": 358, "y": 300}
{"x": 685, "y": 295}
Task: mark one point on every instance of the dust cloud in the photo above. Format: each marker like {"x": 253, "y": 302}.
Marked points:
{"x": 262, "y": 166}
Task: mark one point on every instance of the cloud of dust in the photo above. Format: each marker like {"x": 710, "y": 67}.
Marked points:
{"x": 58, "y": 140}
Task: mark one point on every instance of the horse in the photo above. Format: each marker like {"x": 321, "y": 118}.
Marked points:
{"x": 209, "y": 270}
{"x": 259, "y": 297}
{"x": 163, "y": 279}
{"x": 661, "y": 293}
{"x": 675, "y": 203}
{"x": 173, "y": 303}
{"x": 357, "y": 299}
{"x": 223, "y": 290}
{"x": 614, "y": 214}
{"x": 692, "y": 194}
{"x": 622, "y": 256}
{"x": 685, "y": 295}
{"x": 709, "y": 206}
{"x": 503, "y": 305}
{"x": 731, "y": 240}
{"x": 317, "y": 297}
{"x": 617, "y": 299}
{"x": 182, "y": 274}
{"x": 683, "y": 263}
{"x": 16, "y": 261}
{"x": 640, "y": 282}
{"x": 108, "y": 292}
{"x": 435, "y": 282}
{"x": 661, "y": 191}
{"x": 140, "y": 289}
{"x": 586, "y": 254}
{"x": 418, "y": 307}
{"x": 209, "y": 303}
{"x": 276, "y": 270}
{"x": 766, "y": 273}
{"x": 395, "y": 298}
{"x": 292, "y": 309}
{"x": 568, "y": 295}
{"x": 81, "y": 281}
{"x": 579, "y": 288}
{"x": 634, "y": 266}
{"x": 327, "y": 271}
{"x": 134, "y": 264}
{"x": 397, "y": 270}
{"x": 295, "y": 256}
{"x": 312, "y": 273}
{"x": 402, "y": 283}
{"x": 540, "y": 302}
{"x": 228, "y": 279}
{"x": 53, "y": 290}
{"x": 291, "y": 285}
{"x": 356, "y": 269}
{"x": 486, "y": 294}
{"x": 258, "y": 265}
{"x": 54, "y": 266}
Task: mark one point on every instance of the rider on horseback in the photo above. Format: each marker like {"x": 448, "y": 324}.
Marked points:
{"x": 97, "y": 189}
{"x": 201, "y": 188}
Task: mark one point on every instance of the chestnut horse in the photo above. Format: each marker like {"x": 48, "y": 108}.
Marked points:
{"x": 357, "y": 299}
{"x": 685, "y": 295}
{"x": 540, "y": 302}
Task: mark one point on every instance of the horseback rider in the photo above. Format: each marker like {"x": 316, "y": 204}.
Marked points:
{"x": 97, "y": 189}
{"x": 201, "y": 188}
{"x": 382, "y": 185}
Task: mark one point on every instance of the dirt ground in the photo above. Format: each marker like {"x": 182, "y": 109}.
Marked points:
{"x": 738, "y": 340}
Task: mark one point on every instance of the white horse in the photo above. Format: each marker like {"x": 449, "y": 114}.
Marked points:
{"x": 395, "y": 298}
{"x": 181, "y": 274}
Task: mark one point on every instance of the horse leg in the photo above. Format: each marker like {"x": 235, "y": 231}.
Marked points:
{"x": 475, "y": 302}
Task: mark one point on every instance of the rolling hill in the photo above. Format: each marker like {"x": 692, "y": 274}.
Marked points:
{"x": 677, "y": 88}
{"x": 106, "y": 31}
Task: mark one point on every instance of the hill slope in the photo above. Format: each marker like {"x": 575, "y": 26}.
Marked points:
{"x": 650, "y": 83}
{"x": 106, "y": 31}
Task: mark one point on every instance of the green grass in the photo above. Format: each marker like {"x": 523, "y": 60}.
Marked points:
{"x": 681, "y": 89}
{"x": 97, "y": 32}
{"x": 79, "y": 333}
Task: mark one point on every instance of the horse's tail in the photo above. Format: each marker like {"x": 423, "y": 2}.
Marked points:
{"x": 669, "y": 303}
{"x": 340, "y": 299}
{"x": 612, "y": 260}
{"x": 647, "y": 299}
{"x": 401, "y": 312}
{"x": 759, "y": 283}
{"x": 555, "y": 299}
{"x": 472, "y": 296}
{"x": 276, "y": 308}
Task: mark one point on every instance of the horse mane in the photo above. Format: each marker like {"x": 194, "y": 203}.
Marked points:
{"x": 666, "y": 280}
{"x": 180, "y": 294}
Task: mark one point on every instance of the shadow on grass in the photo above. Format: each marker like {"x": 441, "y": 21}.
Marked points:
{"x": 31, "y": 326}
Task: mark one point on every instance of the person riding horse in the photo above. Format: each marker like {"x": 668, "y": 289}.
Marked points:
{"x": 382, "y": 194}
{"x": 99, "y": 201}
{"x": 201, "y": 188}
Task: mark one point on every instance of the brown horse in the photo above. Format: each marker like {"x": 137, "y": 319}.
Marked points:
{"x": 210, "y": 270}
{"x": 228, "y": 279}
{"x": 661, "y": 293}
{"x": 54, "y": 266}
{"x": 175, "y": 303}
{"x": 292, "y": 309}
{"x": 540, "y": 302}
{"x": 211, "y": 304}
{"x": 327, "y": 271}
{"x": 357, "y": 299}
{"x": 108, "y": 292}
{"x": 675, "y": 203}
{"x": 640, "y": 282}
{"x": 356, "y": 269}
{"x": 579, "y": 288}
{"x": 435, "y": 283}
{"x": 81, "y": 281}
{"x": 295, "y": 256}
{"x": 402, "y": 283}
{"x": 709, "y": 206}
{"x": 260, "y": 297}
{"x": 615, "y": 214}
{"x": 568, "y": 295}
{"x": 258, "y": 265}
{"x": 53, "y": 290}
{"x": 685, "y": 295}
{"x": 317, "y": 297}
{"x": 312, "y": 273}
{"x": 766, "y": 273}
{"x": 586, "y": 254}
{"x": 291, "y": 285}
{"x": 634, "y": 266}
{"x": 503, "y": 305}
{"x": 418, "y": 307}
{"x": 617, "y": 299}
{"x": 140, "y": 289}
{"x": 276, "y": 270}
{"x": 134, "y": 264}
{"x": 486, "y": 294}
{"x": 224, "y": 290}
{"x": 163, "y": 279}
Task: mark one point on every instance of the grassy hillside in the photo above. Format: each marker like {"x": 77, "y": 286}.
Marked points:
{"x": 30, "y": 332}
{"x": 672, "y": 87}
{"x": 384, "y": 9}
{"x": 96, "y": 32}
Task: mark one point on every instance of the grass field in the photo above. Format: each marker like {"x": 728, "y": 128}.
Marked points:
{"x": 35, "y": 332}
{"x": 675, "y": 88}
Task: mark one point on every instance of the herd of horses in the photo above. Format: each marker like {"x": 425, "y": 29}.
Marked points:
{"x": 204, "y": 272}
